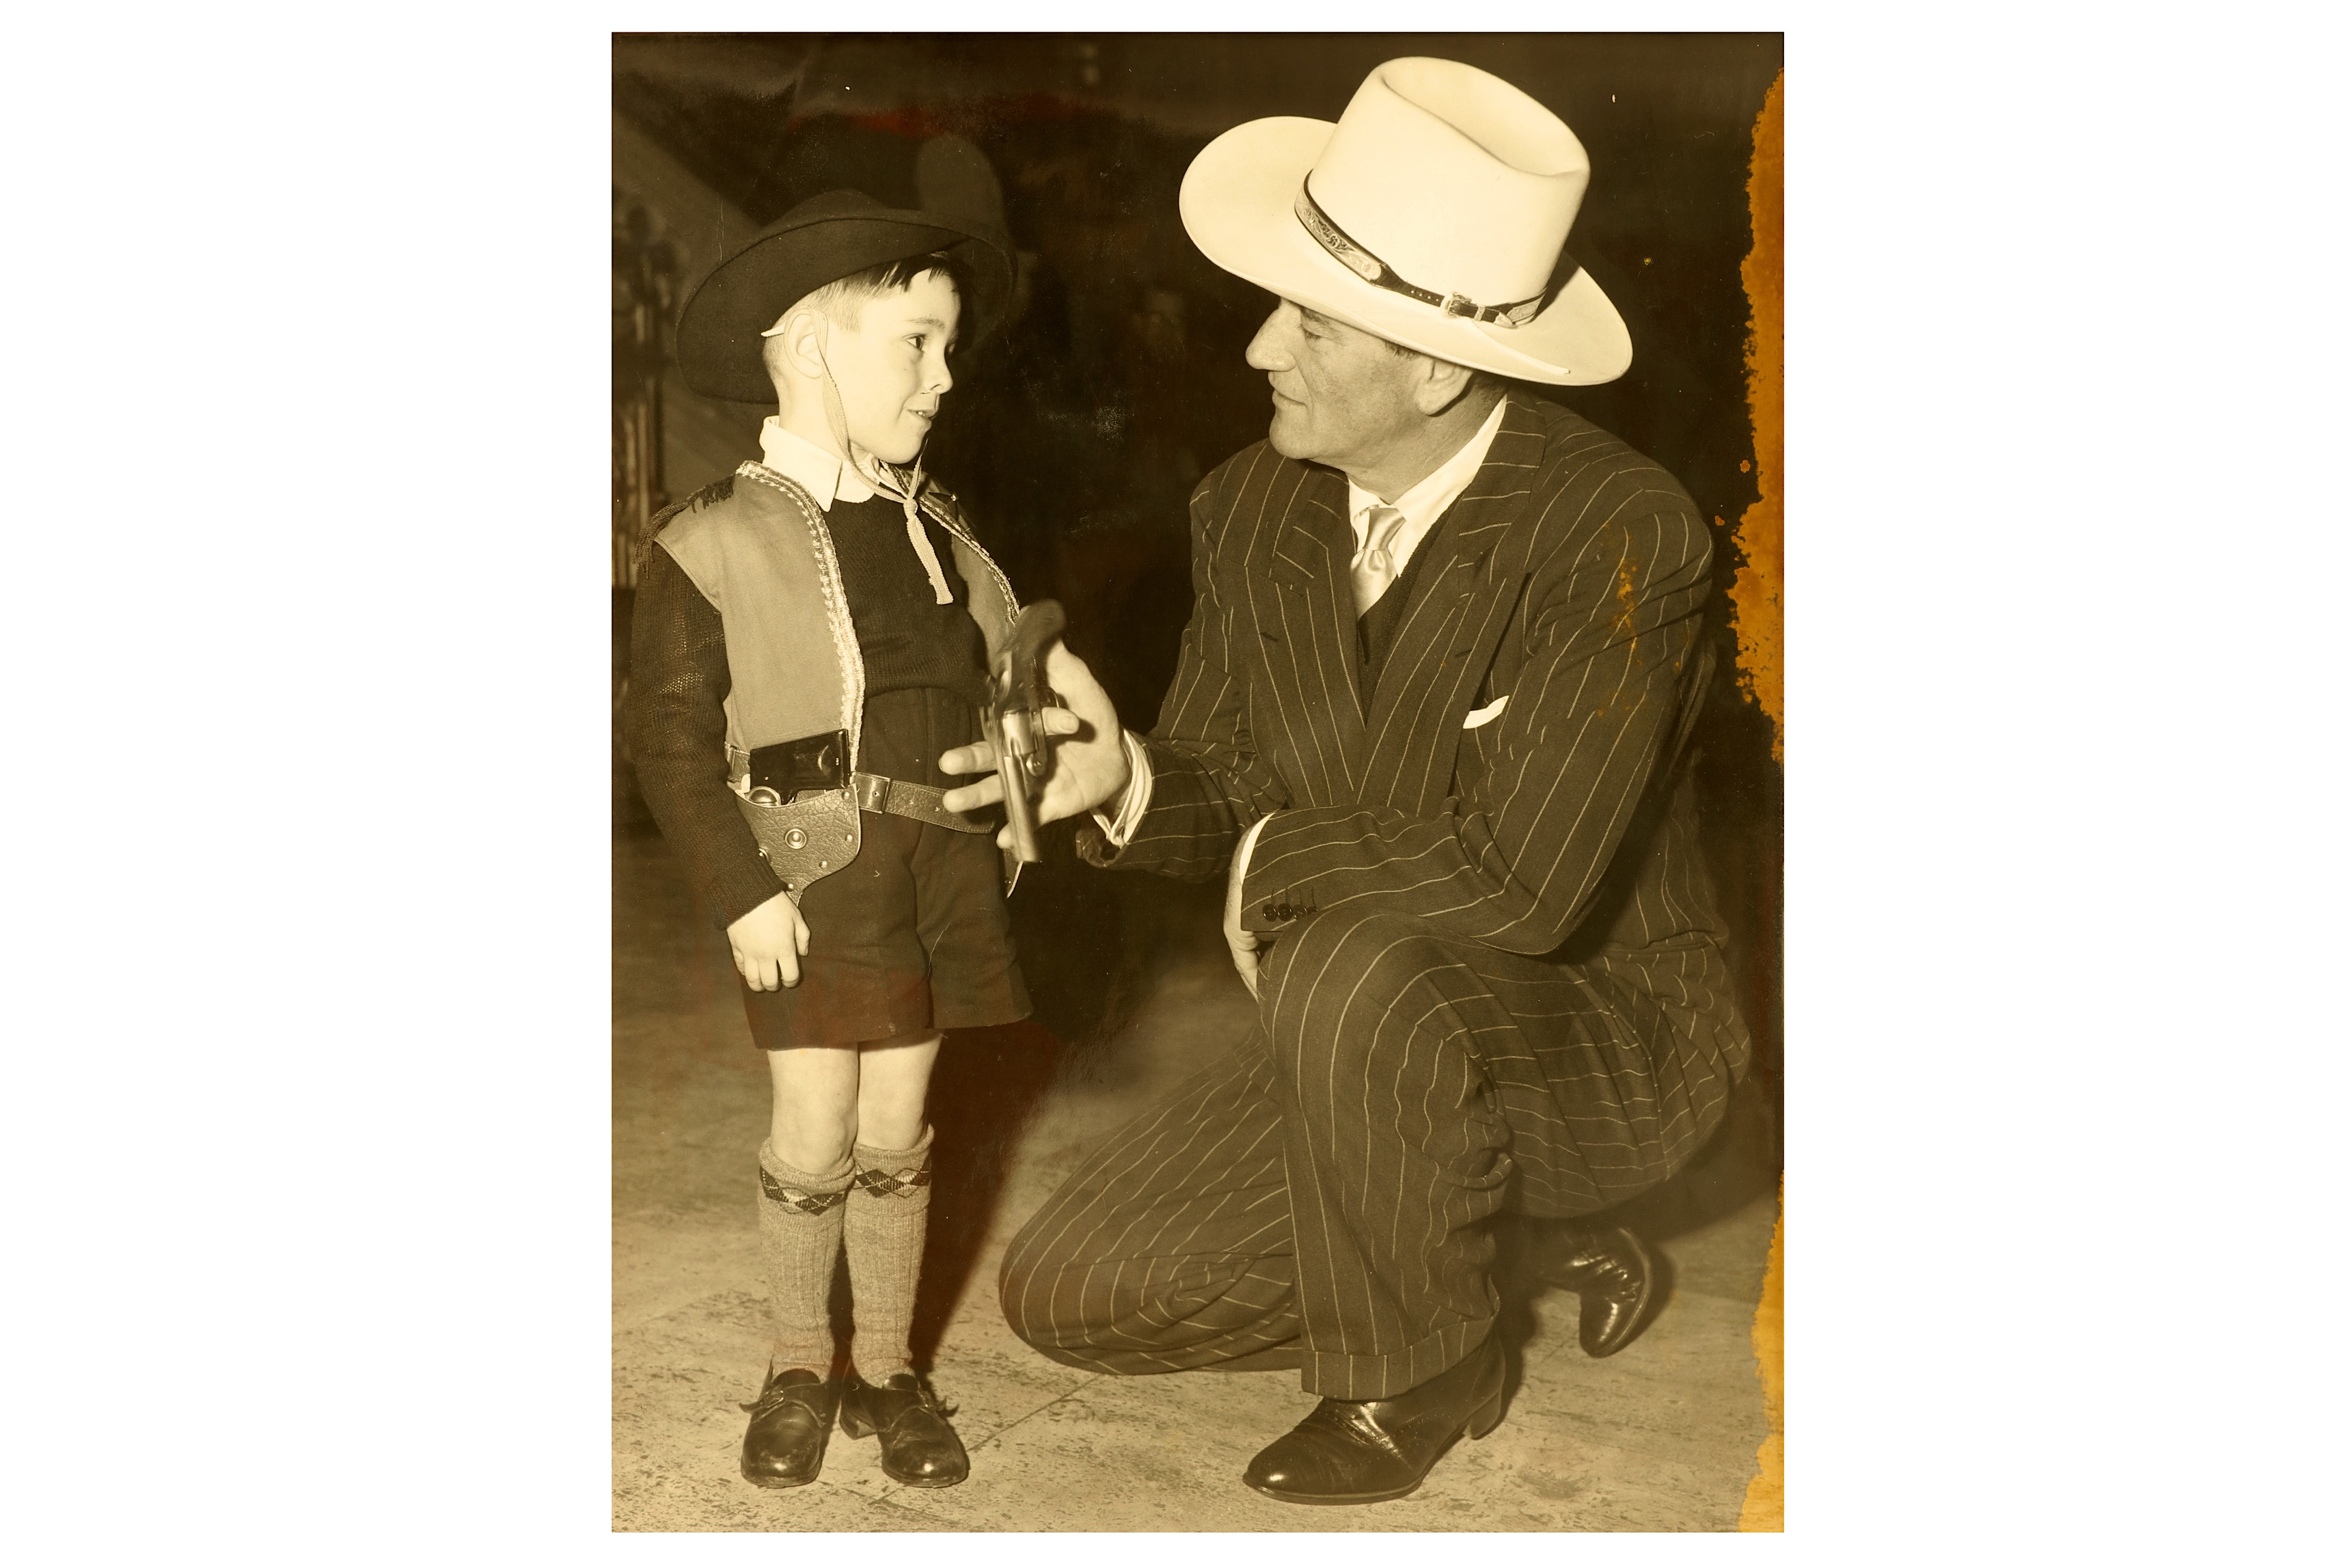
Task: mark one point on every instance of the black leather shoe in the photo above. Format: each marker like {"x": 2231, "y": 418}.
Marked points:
{"x": 784, "y": 1444}
{"x": 1369, "y": 1450}
{"x": 919, "y": 1448}
{"x": 1609, "y": 1270}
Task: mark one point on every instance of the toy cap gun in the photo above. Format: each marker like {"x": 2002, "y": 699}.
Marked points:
{"x": 1015, "y": 721}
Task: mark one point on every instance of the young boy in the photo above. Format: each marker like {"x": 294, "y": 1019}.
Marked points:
{"x": 811, "y": 634}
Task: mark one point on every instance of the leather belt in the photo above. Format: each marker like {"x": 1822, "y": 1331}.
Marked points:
{"x": 900, "y": 798}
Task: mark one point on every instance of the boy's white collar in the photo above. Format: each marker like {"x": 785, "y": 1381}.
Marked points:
{"x": 811, "y": 467}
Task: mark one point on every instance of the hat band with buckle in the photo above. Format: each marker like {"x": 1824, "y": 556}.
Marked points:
{"x": 1378, "y": 272}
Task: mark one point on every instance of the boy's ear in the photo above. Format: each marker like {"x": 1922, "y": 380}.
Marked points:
{"x": 800, "y": 345}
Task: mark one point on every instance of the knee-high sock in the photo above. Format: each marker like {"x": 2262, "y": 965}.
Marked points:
{"x": 889, "y": 1205}
{"x": 800, "y": 1234}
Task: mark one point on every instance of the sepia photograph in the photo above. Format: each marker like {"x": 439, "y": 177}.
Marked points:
{"x": 1196, "y": 782}
{"x": 1204, "y": 897}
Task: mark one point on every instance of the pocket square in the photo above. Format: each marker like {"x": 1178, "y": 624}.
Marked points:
{"x": 1487, "y": 714}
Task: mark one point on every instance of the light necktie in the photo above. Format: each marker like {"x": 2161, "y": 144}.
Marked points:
{"x": 903, "y": 492}
{"x": 1374, "y": 564}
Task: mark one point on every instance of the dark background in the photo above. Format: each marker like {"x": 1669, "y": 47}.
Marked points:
{"x": 1076, "y": 438}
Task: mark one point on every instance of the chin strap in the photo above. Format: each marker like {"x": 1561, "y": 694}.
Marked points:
{"x": 885, "y": 479}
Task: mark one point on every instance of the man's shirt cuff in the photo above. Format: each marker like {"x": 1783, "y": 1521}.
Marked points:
{"x": 1138, "y": 798}
{"x": 1243, "y": 850}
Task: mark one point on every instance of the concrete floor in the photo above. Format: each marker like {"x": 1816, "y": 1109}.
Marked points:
{"x": 1129, "y": 972}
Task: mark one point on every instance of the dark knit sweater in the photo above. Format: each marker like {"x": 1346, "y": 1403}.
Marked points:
{"x": 906, "y": 638}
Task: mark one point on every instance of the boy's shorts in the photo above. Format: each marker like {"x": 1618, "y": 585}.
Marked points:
{"x": 913, "y": 935}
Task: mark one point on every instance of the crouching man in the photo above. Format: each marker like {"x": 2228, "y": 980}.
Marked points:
{"x": 1428, "y": 722}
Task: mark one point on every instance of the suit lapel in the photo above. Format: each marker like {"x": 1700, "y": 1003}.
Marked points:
{"x": 1465, "y": 599}
{"x": 1304, "y": 610}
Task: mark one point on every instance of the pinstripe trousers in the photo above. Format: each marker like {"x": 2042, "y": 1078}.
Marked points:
{"x": 1324, "y": 1197}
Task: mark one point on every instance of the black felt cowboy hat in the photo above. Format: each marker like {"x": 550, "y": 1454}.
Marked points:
{"x": 825, "y": 239}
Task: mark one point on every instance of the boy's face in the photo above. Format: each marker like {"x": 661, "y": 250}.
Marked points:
{"x": 892, "y": 367}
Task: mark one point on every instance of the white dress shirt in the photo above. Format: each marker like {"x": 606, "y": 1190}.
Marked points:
{"x": 1422, "y": 506}
{"x": 1426, "y": 502}
{"x": 811, "y": 466}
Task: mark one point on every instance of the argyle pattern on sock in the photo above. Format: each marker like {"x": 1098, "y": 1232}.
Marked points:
{"x": 882, "y": 1231}
{"x": 883, "y": 1184}
{"x": 806, "y": 1202}
{"x": 799, "y": 1238}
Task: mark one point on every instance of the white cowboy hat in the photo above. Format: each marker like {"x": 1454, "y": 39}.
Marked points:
{"x": 1433, "y": 215}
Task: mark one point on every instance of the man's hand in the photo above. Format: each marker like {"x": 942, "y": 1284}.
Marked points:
{"x": 1089, "y": 755}
{"x": 769, "y": 943}
{"x": 1245, "y": 943}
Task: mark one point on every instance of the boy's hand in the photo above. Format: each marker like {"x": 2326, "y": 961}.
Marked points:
{"x": 769, "y": 943}
{"x": 1089, "y": 755}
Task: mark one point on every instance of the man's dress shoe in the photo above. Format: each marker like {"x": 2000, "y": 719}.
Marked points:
{"x": 919, "y": 1448}
{"x": 784, "y": 1444}
{"x": 1609, "y": 1270}
{"x": 1369, "y": 1450}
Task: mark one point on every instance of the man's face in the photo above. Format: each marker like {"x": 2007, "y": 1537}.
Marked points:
{"x": 892, "y": 367}
{"x": 1342, "y": 396}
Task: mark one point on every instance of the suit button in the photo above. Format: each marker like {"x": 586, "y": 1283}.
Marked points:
{"x": 1266, "y": 912}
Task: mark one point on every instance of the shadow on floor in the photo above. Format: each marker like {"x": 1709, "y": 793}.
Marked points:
{"x": 986, "y": 1087}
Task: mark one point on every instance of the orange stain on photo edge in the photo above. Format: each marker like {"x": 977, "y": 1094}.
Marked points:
{"x": 1756, "y": 621}
{"x": 1755, "y": 590}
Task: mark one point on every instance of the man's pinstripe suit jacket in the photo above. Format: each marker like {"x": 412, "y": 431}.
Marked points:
{"x": 1569, "y": 583}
